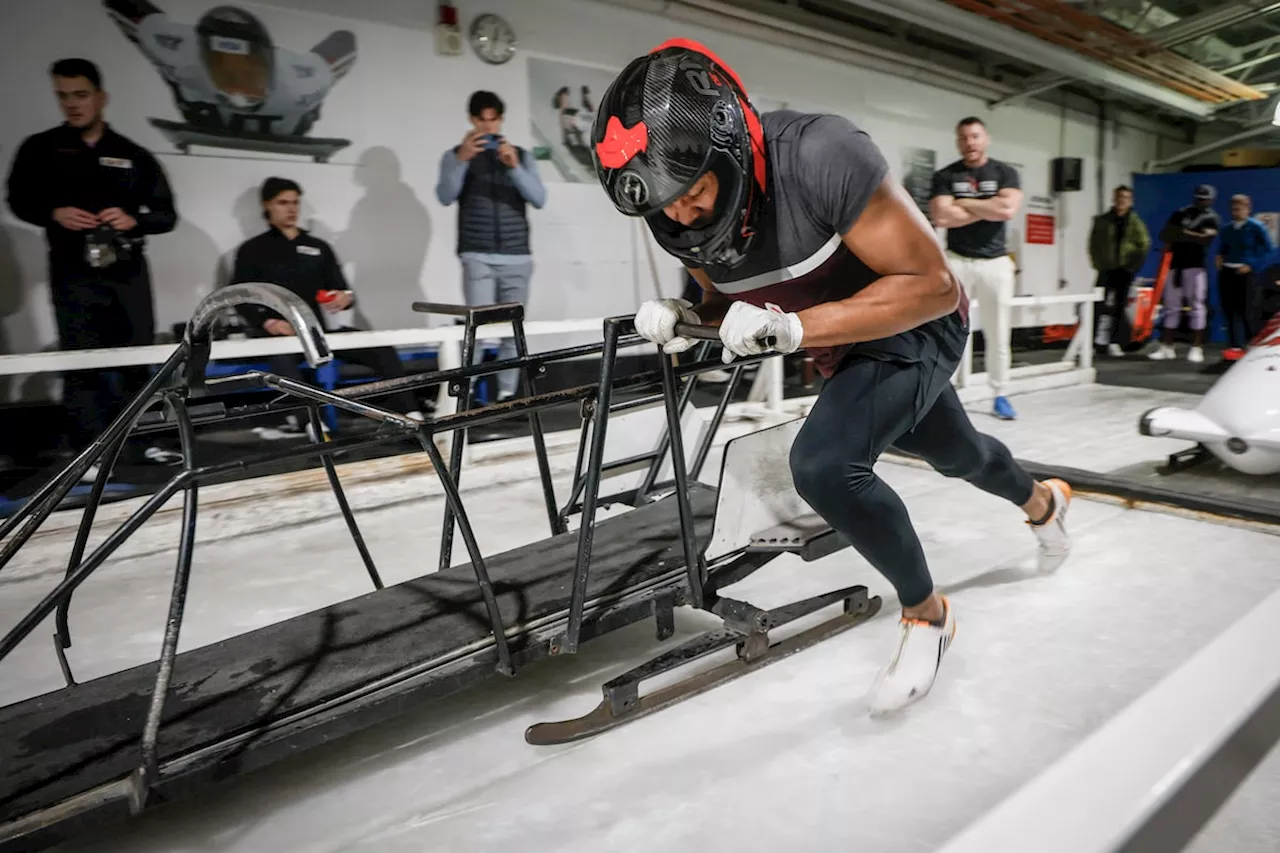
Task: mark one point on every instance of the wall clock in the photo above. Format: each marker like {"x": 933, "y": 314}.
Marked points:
{"x": 492, "y": 38}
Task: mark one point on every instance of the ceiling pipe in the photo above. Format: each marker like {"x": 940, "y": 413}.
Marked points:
{"x": 1192, "y": 153}
{"x": 1030, "y": 92}
{"x": 1249, "y": 63}
{"x": 1210, "y": 21}
{"x": 793, "y": 35}
{"x": 777, "y": 31}
{"x": 982, "y": 32}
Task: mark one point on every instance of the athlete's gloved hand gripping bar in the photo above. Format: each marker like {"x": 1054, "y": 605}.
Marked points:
{"x": 746, "y": 329}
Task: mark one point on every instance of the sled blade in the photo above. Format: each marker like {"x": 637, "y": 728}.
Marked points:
{"x": 859, "y": 607}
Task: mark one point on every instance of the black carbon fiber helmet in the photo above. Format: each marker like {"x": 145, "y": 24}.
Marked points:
{"x": 670, "y": 117}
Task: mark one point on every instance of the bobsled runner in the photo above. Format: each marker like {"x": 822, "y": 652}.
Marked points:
{"x": 1238, "y": 420}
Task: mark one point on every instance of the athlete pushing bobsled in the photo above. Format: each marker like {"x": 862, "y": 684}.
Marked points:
{"x": 233, "y": 86}
{"x": 796, "y": 232}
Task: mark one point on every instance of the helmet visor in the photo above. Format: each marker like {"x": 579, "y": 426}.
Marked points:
{"x": 238, "y": 69}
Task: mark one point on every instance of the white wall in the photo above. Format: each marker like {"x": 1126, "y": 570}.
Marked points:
{"x": 402, "y": 105}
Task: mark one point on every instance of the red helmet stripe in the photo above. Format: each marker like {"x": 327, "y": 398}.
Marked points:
{"x": 754, "y": 130}
{"x": 620, "y": 143}
{"x": 757, "y": 144}
{"x": 697, "y": 47}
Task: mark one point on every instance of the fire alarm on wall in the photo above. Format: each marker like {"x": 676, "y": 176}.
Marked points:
{"x": 448, "y": 33}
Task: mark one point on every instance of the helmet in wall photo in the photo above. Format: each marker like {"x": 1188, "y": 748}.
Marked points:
{"x": 670, "y": 117}
{"x": 237, "y": 52}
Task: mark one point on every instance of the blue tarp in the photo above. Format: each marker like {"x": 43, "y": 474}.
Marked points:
{"x": 1156, "y": 197}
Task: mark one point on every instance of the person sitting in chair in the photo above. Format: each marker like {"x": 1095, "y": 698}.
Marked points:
{"x": 291, "y": 257}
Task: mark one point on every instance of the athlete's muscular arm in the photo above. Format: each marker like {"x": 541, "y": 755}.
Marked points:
{"x": 893, "y": 238}
{"x": 714, "y": 304}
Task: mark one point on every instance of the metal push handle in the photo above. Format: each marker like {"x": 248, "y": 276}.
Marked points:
{"x": 711, "y": 333}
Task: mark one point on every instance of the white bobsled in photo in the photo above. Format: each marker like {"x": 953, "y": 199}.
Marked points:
{"x": 230, "y": 81}
{"x": 1238, "y": 420}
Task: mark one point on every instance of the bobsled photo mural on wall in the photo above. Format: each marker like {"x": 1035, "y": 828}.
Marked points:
{"x": 233, "y": 87}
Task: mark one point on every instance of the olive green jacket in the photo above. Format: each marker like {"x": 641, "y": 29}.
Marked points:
{"x": 1106, "y": 254}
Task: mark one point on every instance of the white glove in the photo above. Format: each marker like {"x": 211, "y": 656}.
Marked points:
{"x": 656, "y": 321}
{"x": 746, "y": 330}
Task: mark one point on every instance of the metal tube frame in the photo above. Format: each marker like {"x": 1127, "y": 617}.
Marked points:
{"x": 62, "y": 628}
{"x": 177, "y": 415}
{"x": 340, "y": 495}
{"x": 458, "y": 445}
{"x": 149, "y": 768}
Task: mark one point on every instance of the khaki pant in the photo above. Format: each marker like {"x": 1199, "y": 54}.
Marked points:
{"x": 990, "y": 283}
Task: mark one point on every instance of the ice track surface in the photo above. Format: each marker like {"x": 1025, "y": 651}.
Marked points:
{"x": 783, "y": 759}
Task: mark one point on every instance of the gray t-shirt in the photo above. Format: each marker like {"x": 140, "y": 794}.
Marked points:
{"x": 822, "y": 173}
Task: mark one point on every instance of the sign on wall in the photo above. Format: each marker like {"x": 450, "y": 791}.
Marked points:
{"x": 1041, "y": 220}
{"x": 918, "y": 165}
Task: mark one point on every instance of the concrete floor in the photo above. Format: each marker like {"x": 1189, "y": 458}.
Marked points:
{"x": 784, "y": 759}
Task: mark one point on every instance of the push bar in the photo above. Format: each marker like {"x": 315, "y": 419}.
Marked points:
{"x": 700, "y": 332}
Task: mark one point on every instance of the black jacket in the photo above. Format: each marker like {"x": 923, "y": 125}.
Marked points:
{"x": 303, "y": 265}
{"x": 57, "y": 169}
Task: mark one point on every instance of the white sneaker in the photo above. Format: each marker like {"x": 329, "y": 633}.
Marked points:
{"x": 1115, "y": 351}
{"x": 1055, "y": 544}
{"x": 1163, "y": 352}
{"x": 1195, "y": 355}
{"x": 914, "y": 666}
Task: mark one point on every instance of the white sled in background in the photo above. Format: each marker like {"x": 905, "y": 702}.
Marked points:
{"x": 1238, "y": 420}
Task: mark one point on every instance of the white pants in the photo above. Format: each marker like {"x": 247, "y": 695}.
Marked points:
{"x": 990, "y": 282}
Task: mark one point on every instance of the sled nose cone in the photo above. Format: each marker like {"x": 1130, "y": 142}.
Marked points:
{"x": 1171, "y": 422}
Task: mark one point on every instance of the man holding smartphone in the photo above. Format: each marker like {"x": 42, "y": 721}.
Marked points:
{"x": 493, "y": 182}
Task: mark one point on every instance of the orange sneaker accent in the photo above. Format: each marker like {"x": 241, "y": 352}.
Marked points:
{"x": 925, "y": 623}
{"x": 1065, "y": 488}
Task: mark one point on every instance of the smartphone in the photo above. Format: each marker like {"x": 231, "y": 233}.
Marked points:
{"x": 491, "y": 141}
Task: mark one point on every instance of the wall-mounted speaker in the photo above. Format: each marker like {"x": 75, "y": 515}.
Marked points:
{"x": 1068, "y": 174}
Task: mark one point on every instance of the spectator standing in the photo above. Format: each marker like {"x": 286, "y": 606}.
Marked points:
{"x": 1118, "y": 246}
{"x": 973, "y": 198}
{"x": 1243, "y": 252}
{"x": 494, "y": 183}
{"x": 1189, "y": 232}
{"x": 97, "y": 195}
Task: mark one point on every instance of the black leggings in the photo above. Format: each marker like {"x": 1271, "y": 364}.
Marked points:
{"x": 866, "y": 407}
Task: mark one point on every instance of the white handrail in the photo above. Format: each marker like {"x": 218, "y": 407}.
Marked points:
{"x": 1080, "y": 349}
{"x": 1152, "y": 776}
{"x": 40, "y": 362}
